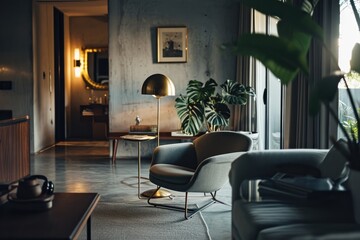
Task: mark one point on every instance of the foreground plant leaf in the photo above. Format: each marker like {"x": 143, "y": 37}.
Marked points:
{"x": 324, "y": 91}
{"x": 282, "y": 57}
{"x": 355, "y": 58}
{"x": 299, "y": 18}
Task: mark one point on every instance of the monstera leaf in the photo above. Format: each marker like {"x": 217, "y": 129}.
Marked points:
{"x": 200, "y": 92}
{"x": 236, "y": 93}
{"x": 191, "y": 114}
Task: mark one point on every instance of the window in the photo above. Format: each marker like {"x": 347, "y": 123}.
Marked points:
{"x": 349, "y": 35}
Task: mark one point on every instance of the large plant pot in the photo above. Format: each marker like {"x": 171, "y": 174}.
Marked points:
{"x": 354, "y": 185}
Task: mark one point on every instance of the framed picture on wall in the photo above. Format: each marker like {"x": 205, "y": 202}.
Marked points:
{"x": 172, "y": 44}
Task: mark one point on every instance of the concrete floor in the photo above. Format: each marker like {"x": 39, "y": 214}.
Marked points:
{"x": 86, "y": 167}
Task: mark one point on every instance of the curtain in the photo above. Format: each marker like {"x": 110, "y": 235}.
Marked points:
{"x": 244, "y": 117}
{"x": 305, "y": 131}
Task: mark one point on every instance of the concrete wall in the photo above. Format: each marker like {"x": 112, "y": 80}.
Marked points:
{"x": 132, "y": 43}
{"x": 16, "y": 53}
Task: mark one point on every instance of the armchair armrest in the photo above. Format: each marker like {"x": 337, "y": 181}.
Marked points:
{"x": 182, "y": 154}
{"x": 264, "y": 164}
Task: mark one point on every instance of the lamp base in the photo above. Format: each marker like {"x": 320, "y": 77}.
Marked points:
{"x": 159, "y": 194}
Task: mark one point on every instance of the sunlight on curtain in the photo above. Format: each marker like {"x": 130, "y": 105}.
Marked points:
{"x": 259, "y": 25}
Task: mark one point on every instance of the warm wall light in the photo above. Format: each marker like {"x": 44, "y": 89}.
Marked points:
{"x": 77, "y": 63}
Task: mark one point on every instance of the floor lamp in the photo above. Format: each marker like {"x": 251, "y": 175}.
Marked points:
{"x": 158, "y": 85}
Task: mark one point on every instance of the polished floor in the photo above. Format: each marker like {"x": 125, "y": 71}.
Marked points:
{"x": 86, "y": 167}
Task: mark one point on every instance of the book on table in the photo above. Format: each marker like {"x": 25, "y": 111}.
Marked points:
{"x": 143, "y": 129}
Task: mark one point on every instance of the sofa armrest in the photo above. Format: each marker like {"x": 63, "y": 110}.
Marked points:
{"x": 265, "y": 163}
{"x": 182, "y": 154}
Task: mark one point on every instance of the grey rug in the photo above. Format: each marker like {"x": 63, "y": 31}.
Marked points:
{"x": 118, "y": 221}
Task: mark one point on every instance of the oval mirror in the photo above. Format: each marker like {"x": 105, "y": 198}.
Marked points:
{"x": 96, "y": 68}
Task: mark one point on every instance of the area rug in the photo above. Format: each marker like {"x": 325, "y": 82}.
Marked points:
{"x": 118, "y": 221}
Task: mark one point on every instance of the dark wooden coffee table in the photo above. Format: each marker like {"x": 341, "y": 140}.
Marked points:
{"x": 65, "y": 220}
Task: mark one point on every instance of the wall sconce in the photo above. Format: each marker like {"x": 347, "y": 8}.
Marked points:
{"x": 77, "y": 62}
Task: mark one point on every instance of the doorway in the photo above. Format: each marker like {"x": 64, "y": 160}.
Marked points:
{"x": 54, "y": 78}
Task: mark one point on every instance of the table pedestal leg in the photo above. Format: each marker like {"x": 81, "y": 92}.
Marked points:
{"x": 114, "y": 146}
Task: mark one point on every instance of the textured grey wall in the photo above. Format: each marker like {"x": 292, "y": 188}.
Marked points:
{"x": 132, "y": 44}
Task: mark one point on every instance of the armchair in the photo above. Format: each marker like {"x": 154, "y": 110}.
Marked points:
{"x": 200, "y": 166}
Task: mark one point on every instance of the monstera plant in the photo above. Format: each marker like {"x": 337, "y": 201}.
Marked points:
{"x": 204, "y": 107}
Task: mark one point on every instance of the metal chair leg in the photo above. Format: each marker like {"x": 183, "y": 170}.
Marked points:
{"x": 188, "y": 212}
{"x": 186, "y": 205}
{"x": 213, "y": 195}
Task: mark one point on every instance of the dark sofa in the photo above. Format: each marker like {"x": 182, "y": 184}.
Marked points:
{"x": 329, "y": 217}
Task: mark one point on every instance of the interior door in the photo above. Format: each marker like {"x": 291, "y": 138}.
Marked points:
{"x": 59, "y": 75}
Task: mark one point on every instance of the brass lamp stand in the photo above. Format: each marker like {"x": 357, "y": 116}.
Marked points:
{"x": 159, "y": 86}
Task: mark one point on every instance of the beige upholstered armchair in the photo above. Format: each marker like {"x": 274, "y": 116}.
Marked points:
{"x": 200, "y": 166}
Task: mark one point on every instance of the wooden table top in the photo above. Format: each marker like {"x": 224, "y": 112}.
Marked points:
{"x": 65, "y": 220}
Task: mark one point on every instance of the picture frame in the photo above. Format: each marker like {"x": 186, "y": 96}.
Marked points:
{"x": 172, "y": 44}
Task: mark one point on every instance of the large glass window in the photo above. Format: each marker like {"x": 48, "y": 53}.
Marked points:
{"x": 348, "y": 36}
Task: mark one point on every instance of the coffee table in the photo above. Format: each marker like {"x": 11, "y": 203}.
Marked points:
{"x": 65, "y": 220}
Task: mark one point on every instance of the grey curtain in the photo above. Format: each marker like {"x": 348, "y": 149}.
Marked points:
{"x": 244, "y": 117}
{"x": 306, "y": 131}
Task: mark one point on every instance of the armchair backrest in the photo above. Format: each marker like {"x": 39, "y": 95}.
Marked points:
{"x": 221, "y": 142}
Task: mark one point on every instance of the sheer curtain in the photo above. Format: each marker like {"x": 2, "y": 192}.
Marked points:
{"x": 303, "y": 130}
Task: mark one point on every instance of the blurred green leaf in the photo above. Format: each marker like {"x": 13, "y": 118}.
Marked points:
{"x": 324, "y": 91}
{"x": 295, "y": 16}
{"x": 355, "y": 58}
{"x": 282, "y": 57}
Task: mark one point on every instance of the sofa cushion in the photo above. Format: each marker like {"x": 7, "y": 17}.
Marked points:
{"x": 311, "y": 231}
{"x": 252, "y": 217}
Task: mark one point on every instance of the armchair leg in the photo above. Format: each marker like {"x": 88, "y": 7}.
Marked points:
{"x": 213, "y": 195}
{"x": 188, "y": 212}
{"x": 186, "y": 206}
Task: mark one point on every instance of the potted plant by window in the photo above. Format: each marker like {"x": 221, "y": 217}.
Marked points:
{"x": 285, "y": 56}
{"x": 204, "y": 107}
